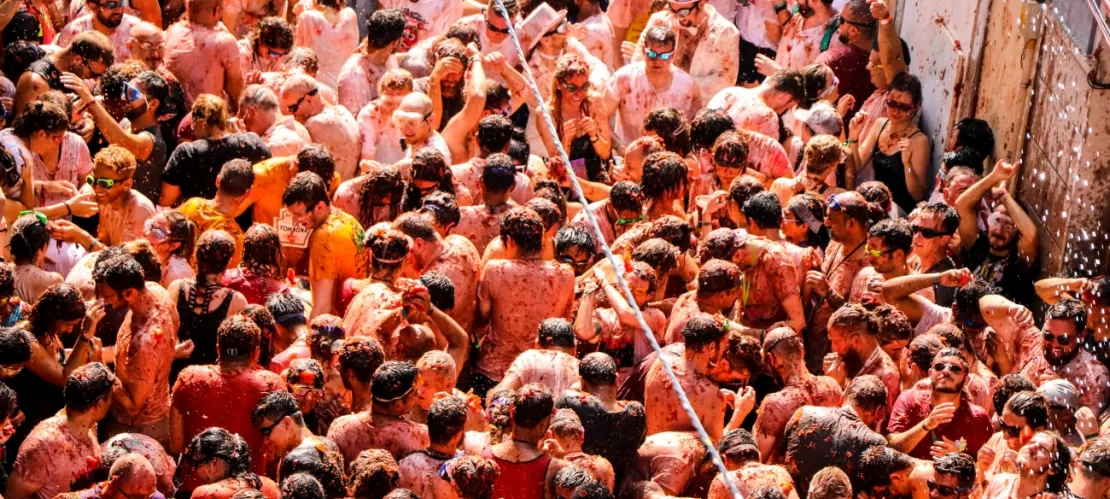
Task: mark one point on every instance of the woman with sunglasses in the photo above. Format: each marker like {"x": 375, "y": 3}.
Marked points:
{"x": 259, "y": 275}
{"x": 305, "y": 380}
{"x": 896, "y": 148}
{"x": 579, "y": 119}
{"x": 173, "y": 238}
{"x": 203, "y": 302}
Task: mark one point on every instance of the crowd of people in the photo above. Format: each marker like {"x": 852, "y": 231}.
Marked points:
{"x": 260, "y": 249}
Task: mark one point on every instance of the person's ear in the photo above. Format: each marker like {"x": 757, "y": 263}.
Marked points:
{"x": 130, "y": 294}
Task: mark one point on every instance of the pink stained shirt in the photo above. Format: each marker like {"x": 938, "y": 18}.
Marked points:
{"x": 144, "y": 354}
{"x": 119, "y": 37}
{"x": 74, "y": 164}
{"x": 336, "y": 129}
{"x": 354, "y": 433}
{"x": 799, "y": 46}
{"x": 747, "y": 110}
{"x": 332, "y": 43}
{"x": 599, "y": 38}
{"x": 125, "y": 223}
{"x": 424, "y": 20}
{"x": 53, "y": 457}
{"x": 713, "y": 60}
{"x": 381, "y": 140}
{"x": 199, "y": 56}
{"x": 1084, "y": 371}
{"x": 286, "y": 137}
{"x": 358, "y": 82}
{"x": 635, "y": 97}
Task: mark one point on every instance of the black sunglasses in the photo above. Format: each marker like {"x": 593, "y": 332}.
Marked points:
{"x": 945, "y": 490}
{"x": 495, "y": 29}
{"x": 569, "y": 260}
{"x": 1063, "y": 339}
{"x": 928, "y": 233}
{"x": 841, "y": 18}
{"x": 953, "y": 368}
{"x": 1010, "y": 431}
{"x": 265, "y": 431}
{"x": 296, "y": 105}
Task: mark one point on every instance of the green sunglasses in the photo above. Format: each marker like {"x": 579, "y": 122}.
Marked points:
{"x": 39, "y": 215}
{"x": 102, "y": 182}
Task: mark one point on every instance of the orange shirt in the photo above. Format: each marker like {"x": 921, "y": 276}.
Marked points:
{"x": 270, "y": 179}
{"x": 201, "y": 212}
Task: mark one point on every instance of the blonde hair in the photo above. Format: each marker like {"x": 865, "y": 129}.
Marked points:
{"x": 822, "y": 153}
{"x": 117, "y": 159}
{"x": 210, "y": 110}
{"x": 395, "y": 79}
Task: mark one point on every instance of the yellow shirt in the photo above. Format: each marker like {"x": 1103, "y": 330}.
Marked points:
{"x": 271, "y": 177}
{"x": 201, "y": 212}
{"x": 333, "y": 250}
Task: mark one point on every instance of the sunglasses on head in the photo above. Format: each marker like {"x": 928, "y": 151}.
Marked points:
{"x": 945, "y": 490}
{"x": 296, "y": 105}
{"x": 893, "y": 104}
{"x": 102, "y": 182}
{"x": 38, "y": 214}
{"x": 952, "y": 368}
{"x": 683, "y": 12}
{"x": 1063, "y": 339}
{"x": 626, "y": 221}
{"x": 663, "y": 56}
{"x": 928, "y": 233}
{"x": 495, "y": 29}
{"x": 559, "y": 30}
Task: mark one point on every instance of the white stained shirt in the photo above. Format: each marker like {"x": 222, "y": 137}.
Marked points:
{"x": 715, "y": 63}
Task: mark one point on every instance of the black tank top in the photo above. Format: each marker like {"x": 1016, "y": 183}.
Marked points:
{"x": 201, "y": 328}
{"x": 890, "y": 170}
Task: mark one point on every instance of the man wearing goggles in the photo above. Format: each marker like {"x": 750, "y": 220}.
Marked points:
{"x": 706, "y": 47}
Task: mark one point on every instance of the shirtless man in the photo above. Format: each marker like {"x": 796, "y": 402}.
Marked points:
{"x": 758, "y": 109}
{"x": 330, "y": 125}
{"x": 106, "y": 17}
{"x": 506, "y": 296}
{"x": 454, "y": 257}
{"x": 703, "y": 335}
{"x": 357, "y": 360}
{"x": 494, "y": 135}
{"x": 641, "y": 87}
{"x": 122, "y": 209}
{"x": 131, "y": 475}
{"x": 413, "y": 119}
{"x": 260, "y": 112}
{"x": 481, "y": 223}
{"x": 144, "y": 349}
{"x": 772, "y": 290}
{"x": 885, "y": 472}
{"x": 719, "y": 286}
{"x": 784, "y": 356}
{"x": 381, "y": 140}
{"x": 384, "y": 426}
{"x": 438, "y": 376}
{"x": 358, "y": 79}
{"x": 88, "y": 56}
{"x": 203, "y": 56}
{"x": 706, "y": 45}
{"x": 446, "y": 421}
{"x": 64, "y": 447}
{"x": 738, "y": 450}
{"x": 565, "y": 438}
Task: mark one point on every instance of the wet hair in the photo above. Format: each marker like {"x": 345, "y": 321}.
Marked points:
{"x": 323, "y": 463}
{"x": 1060, "y": 465}
{"x": 362, "y": 356}
{"x": 416, "y": 226}
{"x": 800, "y": 203}
{"x": 218, "y": 443}
{"x": 18, "y": 56}
{"x": 210, "y": 110}
{"x": 307, "y": 188}
{"x": 215, "y": 248}
{"x": 895, "y": 233}
{"x": 660, "y": 35}
{"x": 474, "y": 476}
{"x": 959, "y": 466}
{"x": 305, "y": 59}
{"x": 922, "y": 350}
{"x": 40, "y": 116}
{"x": 237, "y": 339}
{"x": 830, "y": 483}
{"x": 556, "y": 332}
{"x": 949, "y": 218}
{"x": 143, "y": 252}
{"x": 273, "y": 32}
{"x": 1094, "y": 458}
{"x": 967, "y": 157}
{"x": 302, "y": 486}
{"x": 976, "y": 135}
{"x": 951, "y": 353}
{"x": 533, "y": 407}
{"x": 702, "y": 331}
{"x": 822, "y": 153}
{"x": 574, "y": 237}
{"x": 764, "y": 209}
{"x": 767, "y": 492}
{"x": 738, "y": 446}
{"x": 790, "y": 82}
{"x": 520, "y": 152}
{"x": 441, "y": 289}
{"x": 553, "y": 194}
{"x": 267, "y": 327}
{"x": 29, "y": 235}
{"x": 262, "y": 254}
{"x": 427, "y": 164}
{"x": 274, "y": 406}
{"x": 393, "y": 380}
{"x": 183, "y": 231}
{"x": 524, "y": 228}
{"x": 317, "y": 159}
{"x": 323, "y": 331}
{"x": 1009, "y": 385}
{"x": 718, "y": 276}
{"x": 384, "y": 27}
{"x": 92, "y": 45}
{"x": 878, "y": 463}
{"x": 305, "y": 372}
{"x": 7, "y": 280}
{"x": 731, "y": 150}
{"x": 395, "y": 79}
{"x": 707, "y": 126}
{"x": 657, "y": 253}
{"x": 446, "y": 419}
{"x": 494, "y": 133}
{"x": 876, "y": 192}
{"x": 743, "y": 188}
{"x": 443, "y": 207}
{"x": 572, "y": 476}
{"x": 1069, "y": 309}
{"x": 120, "y": 273}
{"x": 663, "y": 172}
{"x": 853, "y": 317}
{"x": 815, "y": 78}
{"x": 591, "y": 490}
{"x": 381, "y": 185}
{"x": 388, "y": 248}
{"x": 598, "y": 369}
{"x": 568, "y": 65}
{"x": 668, "y": 124}
{"x": 967, "y": 296}
{"x": 15, "y": 345}
{"x": 548, "y": 212}
{"x": 743, "y": 351}
{"x": 891, "y": 324}
{"x": 59, "y": 303}
{"x": 905, "y": 82}
{"x": 866, "y": 392}
{"x": 672, "y": 229}
{"x": 499, "y": 173}
{"x": 236, "y": 177}
{"x": 497, "y": 96}
{"x": 373, "y": 474}
{"x": 448, "y": 48}
{"x": 1031, "y": 406}
{"x": 87, "y": 386}
{"x": 626, "y": 196}
{"x": 287, "y": 309}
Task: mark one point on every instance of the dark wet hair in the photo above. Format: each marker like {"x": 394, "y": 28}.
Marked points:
{"x": 218, "y": 443}
{"x": 323, "y": 331}
{"x": 440, "y": 288}
{"x": 524, "y": 228}
{"x": 895, "y": 233}
{"x": 307, "y": 188}
{"x": 215, "y": 248}
{"x": 660, "y": 35}
{"x": 764, "y": 209}
{"x": 474, "y": 476}
{"x": 1031, "y": 406}
{"x": 866, "y": 392}
{"x": 388, "y": 248}
{"x": 672, "y": 229}
{"x": 427, "y": 164}
{"x": 323, "y": 463}
{"x": 718, "y": 276}
{"x": 384, "y": 27}
{"x": 905, "y": 82}
{"x": 443, "y": 207}
{"x": 959, "y": 466}
{"x": 494, "y": 133}
{"x": 59, "y": 303}
{"x": 40, "y": 116}
{"x": 817, "y": 207}
{"x": 548, "y": 212}
{"x": 29, "y": 235}
{"x": 743, "y": 188}
{"x": 1069, "y": 309}
{"x": 236, "y": 177}
{"x": 1008, "y": 386}
{"x": 556, "y": 332}
{"x": 362, "y": 356}
{"x": 949, "y": 218}
{"x": 790, "y": 82}
{"x": 93, "y": 46}
{"x": 446, "y": 419}
{"x": 663, "y": 171}
{"x": 707, "y": 126}
{"x": 876, "y": 192}
{"x": 922, "y": 350}
{"x": 976, "y": 135}
{"x": 553, "y": 194}
{"x": 393, "y": 380}
{"x": 534, "y": 405}
{"x": 574, "y": 237}
{"x": 305, "y": 372}
{"x": 18, "y": 56}
{"x": 878, "y": 463}
{"x": 262, "y": 254}
{"x": 572, "y": 476}
{"x": 302, "y": 486}
{"x": 891, "y": 324}
{"x": 626, "y": 196}
{"x": 598, "y": 369}
{"x": 261, "y": 317}
{"x": 592, "y": 490}
{"x": 373, "y": 474}
{"x": 1094, "y": 458}
{"x": 287, "y": 309}
{"x": 120, "y": 273}
{"x": 384, "y": 184}
{"x": 738, "y": 445}
{"x": 274, "y": 406}
{"x": 316, "y": 158}
{"x": 87, "y": 386}
{"x": 703, "y": 330}
{"x": 657, "y": 253}
{"x": 968, "y": 296}
{"x": 499, "y": 174}
{"x": 237, "y": 339}
{"x": 183, "y": 231}
{"x": 669, "y": 125}
{"x": 15, "y": 345}
{"x": 1060, "y": 465}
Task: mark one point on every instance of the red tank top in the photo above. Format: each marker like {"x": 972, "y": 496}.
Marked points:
{"x": 519, "y": 480}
